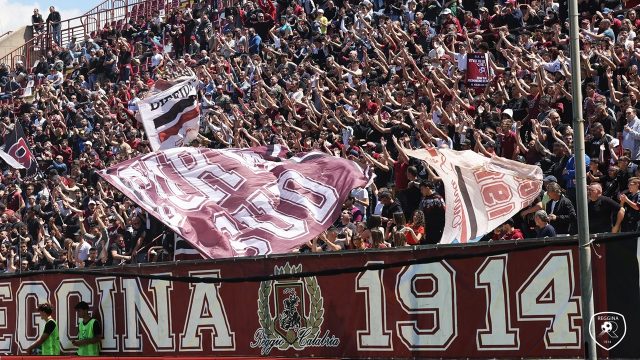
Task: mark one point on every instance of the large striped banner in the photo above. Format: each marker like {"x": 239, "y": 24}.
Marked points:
{"x": 238, "y": 202}
{"x": 481, "y": 193}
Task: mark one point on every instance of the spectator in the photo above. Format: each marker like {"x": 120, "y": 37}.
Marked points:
{"x": 631, "y": 133}
{"x": 562, "y": 214}
{"x": 543, "y": 228}
{"x": 37, "y": 22}
{"x": 433, "y": 207}
{"x": 54, "y": 21}
{"x": 415, "y": 230}
{"x": 117, "y": 252}
{"x": 377, "y": 240}
{"x": 605, "y": 215}
{"x": 630, "y": 202}
{"x": 389, "y": 208}
{"x": 507, "y": 232}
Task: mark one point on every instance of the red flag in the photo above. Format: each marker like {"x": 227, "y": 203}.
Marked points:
{"x": 234, "y": 202}
{"x": 477, "y": 70}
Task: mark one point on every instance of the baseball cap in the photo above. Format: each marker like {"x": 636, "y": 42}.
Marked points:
{"x": 550, "y": 178}
{"x": 82, "y": 305}
{"x": 446, "y": 11}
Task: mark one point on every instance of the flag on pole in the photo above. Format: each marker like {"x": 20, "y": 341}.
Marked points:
{"x": 15, "y": 145}
{"x": 171, "y": 116}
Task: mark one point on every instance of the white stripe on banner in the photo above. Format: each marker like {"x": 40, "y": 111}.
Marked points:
{"x": 638, "y": 255}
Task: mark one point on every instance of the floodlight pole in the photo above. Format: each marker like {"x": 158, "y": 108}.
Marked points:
{"x": 586, "y": 280}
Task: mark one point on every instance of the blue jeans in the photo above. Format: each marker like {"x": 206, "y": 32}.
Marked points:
{"x": 56, "y": 32}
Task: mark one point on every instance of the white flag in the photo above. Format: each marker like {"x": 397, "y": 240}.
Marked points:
{"x": 171, "y": 117}
{"x": 481, "y": 193}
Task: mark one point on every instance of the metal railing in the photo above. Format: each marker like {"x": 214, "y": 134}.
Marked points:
{"x": 114, "y": 13}
{"x": 5, "y": 34}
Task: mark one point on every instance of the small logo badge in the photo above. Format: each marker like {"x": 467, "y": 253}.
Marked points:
{"x": 607, "y": 329}
{"x": 291, "y": 314}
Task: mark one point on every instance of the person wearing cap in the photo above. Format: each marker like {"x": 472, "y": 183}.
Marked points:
{"x": 322, "y": 21}
{"x": 562, "y": 214}
{"x": 49, "y": 340}
{"x": 449, "y": 19}
{"x": 89, "y": 332}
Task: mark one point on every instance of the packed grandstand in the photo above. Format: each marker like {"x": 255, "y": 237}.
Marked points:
{"x": 367, "y": 81}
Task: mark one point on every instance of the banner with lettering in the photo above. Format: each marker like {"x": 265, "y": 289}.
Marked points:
{"x": 238, "y": 202}
{"x": 477, "y": 70}
{"x": 481, "y": 193}
{"x": 498, "y": 300}
{"x": 171, "y": 116}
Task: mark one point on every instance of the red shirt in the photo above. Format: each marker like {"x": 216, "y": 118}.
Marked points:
{"x": 400, "y": 174}
{"x": 508, "y": 144}
{"x": 515, "y": 234}
{"x": 409, "y": 236}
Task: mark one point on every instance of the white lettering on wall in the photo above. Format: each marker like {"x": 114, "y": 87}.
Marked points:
{"x": 154, "y": 316}
{"x": 107, "y": 288}
{"x": 206, "y": 313}
{"x": 439, "y": 303}
{"x": 6, "y": 340}
{"x": 28, "y": 318}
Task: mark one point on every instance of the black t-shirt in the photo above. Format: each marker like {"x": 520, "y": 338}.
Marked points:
{"x": 433, "y": 207}
{"x": 119, "y": 250}
{"x": 410, "y": 198}
{"x": 601, "y": 213}
{"x": 389, "y": 210}
{"x": 631, "y": 216}
{"x": 135, "y": 235}
{"x": 49, "y": 327}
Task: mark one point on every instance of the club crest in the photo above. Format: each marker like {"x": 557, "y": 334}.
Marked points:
{"x": 291, "y": 314}
{"x": 608, "y": 329}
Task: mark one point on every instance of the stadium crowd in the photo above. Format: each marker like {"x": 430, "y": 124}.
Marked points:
{"x": 363, "y": 80}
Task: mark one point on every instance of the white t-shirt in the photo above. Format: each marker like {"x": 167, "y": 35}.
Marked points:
{"x": 362, "y": 195}
{"x": 82, "y": 251}
{"x": 461, "y": 59}
{"x": 156, "y": 60}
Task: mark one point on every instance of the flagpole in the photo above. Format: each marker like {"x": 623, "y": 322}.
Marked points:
{"x": 586, "y": 281}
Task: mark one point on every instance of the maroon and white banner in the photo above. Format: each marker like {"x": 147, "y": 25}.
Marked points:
{"x": 477, "y": 70}
{"x": 481, "y": 193}
{"x": 234, "y": 202}
{"x": 472, "y": 302}
{"x": 171, "y": 116}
